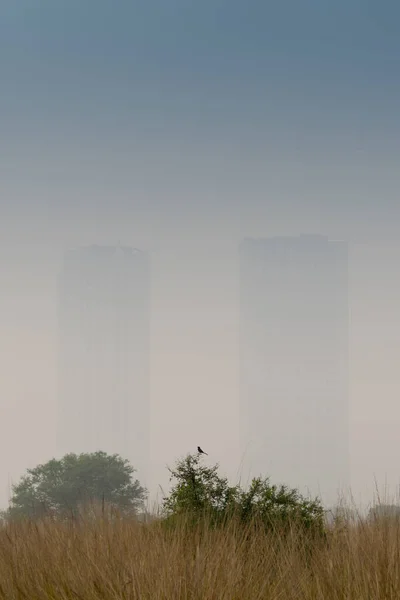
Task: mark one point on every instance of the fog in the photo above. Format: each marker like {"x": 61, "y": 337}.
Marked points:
{"x": 181, "y": 133}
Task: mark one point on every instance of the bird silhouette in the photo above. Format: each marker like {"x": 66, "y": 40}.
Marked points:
{"x": 200, "y": 451}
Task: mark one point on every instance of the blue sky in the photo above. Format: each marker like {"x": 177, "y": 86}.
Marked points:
{"x": 189, "y": 57}
{"x": 250, "y": 115}
{"x": 215, "y": 35}
{"x": 254, "y": 83}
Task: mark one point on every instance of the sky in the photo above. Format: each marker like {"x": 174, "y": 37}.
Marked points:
{"x": 181, "y": 128}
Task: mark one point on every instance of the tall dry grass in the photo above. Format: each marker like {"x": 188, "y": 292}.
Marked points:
{"x": 124, "y": 559}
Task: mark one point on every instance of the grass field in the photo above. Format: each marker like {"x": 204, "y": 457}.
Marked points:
{"x": 123, "y": 559}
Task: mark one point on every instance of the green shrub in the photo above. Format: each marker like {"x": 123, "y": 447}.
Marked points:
{"x": 200, "y": 492}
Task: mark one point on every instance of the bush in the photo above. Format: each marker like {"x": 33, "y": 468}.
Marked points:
{"x": 200, "y": 491}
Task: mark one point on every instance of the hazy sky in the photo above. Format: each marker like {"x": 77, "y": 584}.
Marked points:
{"x": 180, "y": 127}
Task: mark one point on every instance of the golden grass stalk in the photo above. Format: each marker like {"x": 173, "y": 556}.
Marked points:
{"x": 105, "y": 556}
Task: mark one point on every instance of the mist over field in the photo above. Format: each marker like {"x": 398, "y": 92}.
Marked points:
{"x": 142, "y": 146}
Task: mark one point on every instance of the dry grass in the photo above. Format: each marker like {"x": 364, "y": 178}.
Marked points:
{"x": 128, "y": 560}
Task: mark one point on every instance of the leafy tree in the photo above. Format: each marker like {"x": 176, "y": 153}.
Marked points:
{"x": 61, "y": 487}
{"x": 200, "y": 490}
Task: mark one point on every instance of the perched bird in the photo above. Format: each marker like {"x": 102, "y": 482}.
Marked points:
{"x": 200, "y": 451}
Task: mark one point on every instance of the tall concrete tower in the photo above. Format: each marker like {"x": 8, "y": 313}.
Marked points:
{"x": 104, "y": 353}
{"x": 294, "y": 321}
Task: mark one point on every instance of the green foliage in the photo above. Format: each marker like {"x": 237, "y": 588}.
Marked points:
{"x": 61, "y": 487}
{"x": 279, "y": 505}
{"x": 199, "y": 490}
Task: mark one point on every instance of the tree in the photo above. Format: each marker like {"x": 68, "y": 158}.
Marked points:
{"x": 200, "y": 490}
{"x": 61, "y": 487}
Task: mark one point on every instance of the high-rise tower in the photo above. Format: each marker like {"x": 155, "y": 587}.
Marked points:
{"x": 294, "y": 322}
{"x": 104, "y": 353}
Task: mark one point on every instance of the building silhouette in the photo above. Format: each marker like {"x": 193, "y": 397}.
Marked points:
{"x": 104, "y": 354}
{"x": 294, "y": 355}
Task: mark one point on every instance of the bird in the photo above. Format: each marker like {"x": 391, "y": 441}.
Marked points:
{"x": 200, "y": 451}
